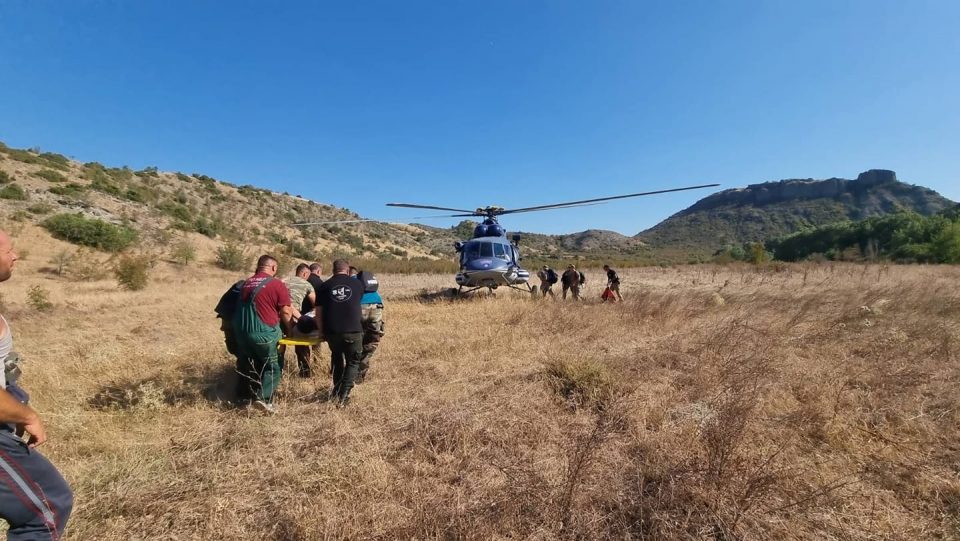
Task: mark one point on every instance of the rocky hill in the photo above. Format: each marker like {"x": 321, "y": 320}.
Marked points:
{"x": 764, "y": 211}
{"x": 161, "y": 206}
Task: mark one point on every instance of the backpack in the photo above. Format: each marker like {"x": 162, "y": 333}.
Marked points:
{"x": 583, "y": 279}
{"x": 370, "y": 283}
{"x": 228, "y": 302}
{"x": 552, "y": 276}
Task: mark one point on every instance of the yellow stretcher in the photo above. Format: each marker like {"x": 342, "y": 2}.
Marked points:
{"x": 300, "y": 340}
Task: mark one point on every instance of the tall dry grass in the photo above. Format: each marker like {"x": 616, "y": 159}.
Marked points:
{"x": 790, "y": 402}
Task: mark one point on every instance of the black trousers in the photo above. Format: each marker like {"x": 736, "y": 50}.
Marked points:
{"x": 345, "y": 353}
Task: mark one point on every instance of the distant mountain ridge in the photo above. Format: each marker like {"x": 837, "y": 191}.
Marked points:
{"x": 768, "y": 210}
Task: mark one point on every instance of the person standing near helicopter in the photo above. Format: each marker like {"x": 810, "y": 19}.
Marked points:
{"x": 547, "y": 277}
{"x": 571, "y": 280}
{"x": 613, "y": 282}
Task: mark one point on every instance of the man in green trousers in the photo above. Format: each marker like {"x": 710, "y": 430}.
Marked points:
{"x": 263, "y": 305}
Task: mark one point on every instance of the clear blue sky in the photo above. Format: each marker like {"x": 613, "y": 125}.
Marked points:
{"x": 514, "y": 103}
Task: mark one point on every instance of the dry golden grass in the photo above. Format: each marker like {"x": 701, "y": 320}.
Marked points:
{"x": 817, "y": 402}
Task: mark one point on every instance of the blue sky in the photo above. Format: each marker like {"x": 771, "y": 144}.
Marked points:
{"x": 514, "y": 103}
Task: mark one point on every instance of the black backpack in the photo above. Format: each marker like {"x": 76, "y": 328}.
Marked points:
{"x": 583, "y": 279}
{"x": 552, "y": 276}
{"x": 228, "y": 302}
{"x": 370, "y": 283}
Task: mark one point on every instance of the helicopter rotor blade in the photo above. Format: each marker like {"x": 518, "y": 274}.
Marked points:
{"x": 410, "y": 206}
{"x": 601, "y": 199}
{"x": 367, "y": 220}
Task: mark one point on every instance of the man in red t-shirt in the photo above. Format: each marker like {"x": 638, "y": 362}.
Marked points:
{"x": 264, "y": 302}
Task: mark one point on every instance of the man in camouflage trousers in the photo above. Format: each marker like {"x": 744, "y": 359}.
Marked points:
{"x": 371, "y": 316}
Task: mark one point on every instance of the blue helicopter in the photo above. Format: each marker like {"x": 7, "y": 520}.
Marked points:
{"x": 489, "y": 260}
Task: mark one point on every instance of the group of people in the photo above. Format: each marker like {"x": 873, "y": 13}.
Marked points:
{"x": 344, "y": 310}
{"x": 572, "y": 280}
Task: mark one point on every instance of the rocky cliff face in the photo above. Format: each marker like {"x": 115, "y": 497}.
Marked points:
{"x": 795, "y": 190}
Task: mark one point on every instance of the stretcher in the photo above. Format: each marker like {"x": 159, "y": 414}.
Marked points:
{"x": 300, "y": 340}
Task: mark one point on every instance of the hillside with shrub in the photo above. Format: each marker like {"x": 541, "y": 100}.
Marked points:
{"x": 114, "y": 208}
{"x": 762, "y": 212}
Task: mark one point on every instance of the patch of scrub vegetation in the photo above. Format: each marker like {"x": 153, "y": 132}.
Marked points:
{"x": 92, "y": 232}
{"x": 14, "y": 192}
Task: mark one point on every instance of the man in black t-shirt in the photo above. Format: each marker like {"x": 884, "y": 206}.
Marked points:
{"x": 613, "y": 282}
{"x": 316, "y": 280}
{"x": 338, "y": 318}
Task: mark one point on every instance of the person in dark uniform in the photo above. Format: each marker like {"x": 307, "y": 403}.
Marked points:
{"x": 613, "y": 282}
{"x": 35, "y": 500}
{"x": 339, "y": 322}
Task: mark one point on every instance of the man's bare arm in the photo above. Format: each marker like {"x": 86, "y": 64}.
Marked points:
{"x": 286, "y": 315}
{"x": 12, "y": 411}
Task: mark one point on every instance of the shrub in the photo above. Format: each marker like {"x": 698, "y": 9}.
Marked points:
{"x": 175, "y": 210}
{"x": 39, "y": 299}
{"x": 69, "y": 190}
{"x": 14, "y": 192}
{"x": 85, "y": 266}
{"x": 91, "y": 232}
{"x": 5, "y": 177}
{"x": 207, "y": 227}
{"x": 231, "y": 257}
{"x": 131, "y": 271}
{"x": 183, "y": 252}
{"x": 50, "y": 175}
{"x": 61, "y": 261}
{"x": 40, "y": 208}
{"x": 580, "y": 384}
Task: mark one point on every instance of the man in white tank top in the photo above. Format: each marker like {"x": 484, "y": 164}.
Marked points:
{"x": 34, "y": 498}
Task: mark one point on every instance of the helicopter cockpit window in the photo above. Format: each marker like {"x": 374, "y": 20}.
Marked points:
{"x": 472, "y": 250}
{"x": 486, "y": 249}
{"x": 500, "y": 251}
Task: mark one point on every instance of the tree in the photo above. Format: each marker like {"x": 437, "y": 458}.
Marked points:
{"x": 61, "y": 260}
{"x": 946, "y": 245}
{"x": 183, "y": 252}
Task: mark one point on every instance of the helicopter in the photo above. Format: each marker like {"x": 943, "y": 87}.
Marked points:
{"x": 489, "y": 260}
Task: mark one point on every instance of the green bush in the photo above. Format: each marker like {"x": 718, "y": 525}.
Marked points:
{"x": 13, "y": 191}
{"x": 183, "y": 252}
{"x": 91, "y": 232}
{"x": 132, "y": 271}
{"x": 5, "y": 177}
{"x": 70, "y": 190}
{"x": 175, "y": 210}
{"x": 208, "y": 227}
{"x": 39, "y": 299}
{"x": 231, "y": 257}
{"x": 50, "y": 175}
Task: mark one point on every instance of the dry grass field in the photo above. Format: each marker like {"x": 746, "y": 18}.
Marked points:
{"x": 798, "y": 402}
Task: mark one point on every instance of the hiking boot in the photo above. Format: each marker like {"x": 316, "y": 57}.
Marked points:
{"x": 265, "y": 407}
{"x": 342, "y": 402}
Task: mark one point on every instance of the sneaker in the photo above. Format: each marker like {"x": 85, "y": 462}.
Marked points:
{"x": 265, "y": 407}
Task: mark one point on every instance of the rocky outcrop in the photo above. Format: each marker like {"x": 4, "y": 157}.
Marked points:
{"x": 794, "y": 190}
{"x": 764, "y": 211}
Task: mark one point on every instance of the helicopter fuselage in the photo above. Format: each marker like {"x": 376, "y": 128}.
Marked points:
{"x": 490, "y": 261}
